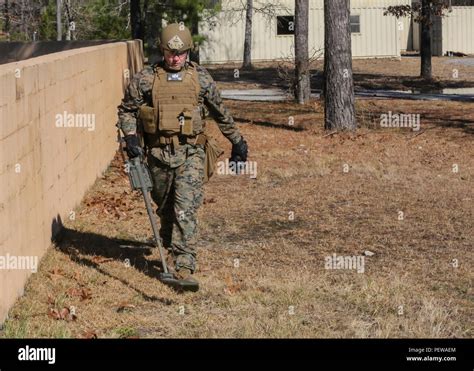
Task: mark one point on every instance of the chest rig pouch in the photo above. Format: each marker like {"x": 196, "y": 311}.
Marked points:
{"x": 176, "y": 106}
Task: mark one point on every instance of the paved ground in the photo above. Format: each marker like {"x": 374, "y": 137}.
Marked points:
{"x": 273, "y": 95}
{"x": 469, "y": 61}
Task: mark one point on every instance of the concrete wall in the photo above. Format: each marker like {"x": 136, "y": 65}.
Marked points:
{"x": 45, "y": 169}
{"x": 380, "y": 36}
{"x": 15, "y": 51}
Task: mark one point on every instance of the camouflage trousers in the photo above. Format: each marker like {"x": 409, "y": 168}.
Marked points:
{"x": 178, "y": 192}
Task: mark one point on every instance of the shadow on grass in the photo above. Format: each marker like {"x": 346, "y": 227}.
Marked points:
{"x": 371, "y": 120}
{"x": 83, "y": 247}
{"x": 267, "y": 77}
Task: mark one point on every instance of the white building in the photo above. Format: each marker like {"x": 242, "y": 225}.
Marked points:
{"x": 452, "y": 33}
{"x": 373, "y": 34}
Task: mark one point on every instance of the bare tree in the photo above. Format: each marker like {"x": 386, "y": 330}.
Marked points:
{"x": 303, "y": 86}
{"x": 248, "y": 36}
{"x": 20, "y": 18}
{"x": 338, "y": 81}
{"x": 235, "y": 13}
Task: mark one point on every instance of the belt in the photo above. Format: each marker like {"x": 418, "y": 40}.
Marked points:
{"x": 177, "y": 140}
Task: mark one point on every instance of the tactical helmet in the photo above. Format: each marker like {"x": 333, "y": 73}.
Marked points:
{"x": 176, "y": 37}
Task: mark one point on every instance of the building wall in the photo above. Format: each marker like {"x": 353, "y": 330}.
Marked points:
{"x": 454, "y": 32}
{"x": 458, "y": 31}
{"x": 45, "y": 169}
{"x": 381, "y": 36}
{"x": 405, "y": 27}
{"x": 416, "y": 36}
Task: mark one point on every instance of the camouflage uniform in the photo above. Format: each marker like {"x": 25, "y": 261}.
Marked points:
{"x": 177, "y": 172}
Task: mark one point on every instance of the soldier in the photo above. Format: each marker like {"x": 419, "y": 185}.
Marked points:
{"x": 167, "y": 102}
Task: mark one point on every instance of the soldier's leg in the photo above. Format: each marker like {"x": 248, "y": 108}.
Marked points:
{"x": 188, "y": 197}
{"x": 162, "y": 195}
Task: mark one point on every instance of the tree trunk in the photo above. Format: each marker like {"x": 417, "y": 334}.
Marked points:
{"x": 248, "y": 36}
{"x": 338, "y": 81}
{"x": 59, "y": 31}
{"x": 425, "y": 46}
{"x": 303, "y": 86}
{"x": 152, "y": 20}
{"x": 194, "y": 53}
{"x": 136, "y": 19}
{"x": 6, "y": 14}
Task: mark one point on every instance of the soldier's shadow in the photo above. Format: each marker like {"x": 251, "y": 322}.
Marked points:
{"x": 92, "y": 250}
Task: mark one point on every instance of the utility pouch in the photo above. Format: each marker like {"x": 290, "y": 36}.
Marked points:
{"x": 147, "y": 116}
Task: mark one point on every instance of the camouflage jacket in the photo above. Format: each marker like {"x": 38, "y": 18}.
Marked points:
{"x": 139, "y": 92}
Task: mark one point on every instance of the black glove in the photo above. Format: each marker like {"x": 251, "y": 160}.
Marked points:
{"x": 133, "y": 146}
{"x": 239, "y": 151}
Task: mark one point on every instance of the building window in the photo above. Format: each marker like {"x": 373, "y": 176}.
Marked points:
{"x": 355, "y": 23}
{"x": 285, "y": 25}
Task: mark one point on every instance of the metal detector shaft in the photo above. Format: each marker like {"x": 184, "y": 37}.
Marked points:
{"x": 140, "y": 179}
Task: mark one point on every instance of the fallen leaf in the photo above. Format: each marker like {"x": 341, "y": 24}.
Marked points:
{"x": 53, "y": 313}
{"x": 86, "y": 294}
{"x": 231, "y": 286}
{"x": 56, "y": 273}
{"x": 64, "y": 314}
{"x": 89, "y": 335}
{"x": 83, "y": 293}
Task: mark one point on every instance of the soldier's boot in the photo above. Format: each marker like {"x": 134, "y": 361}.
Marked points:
{"x": 186, "y": 274}
{"x": 185, "y": 270}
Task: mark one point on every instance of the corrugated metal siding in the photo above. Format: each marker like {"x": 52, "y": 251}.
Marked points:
{"x": 454, "y": 32}
{"x": 406, "y": 33}
{"x": 458, "y": 30}
{"x": 416, "y": 36}
{"x": 379, "y": 35}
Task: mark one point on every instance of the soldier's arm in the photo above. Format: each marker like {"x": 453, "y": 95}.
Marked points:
{"x": 213, "y": 102}
{"x": 128, "y": 109}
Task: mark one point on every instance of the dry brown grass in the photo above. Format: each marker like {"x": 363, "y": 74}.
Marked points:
{"x": 280, "y": 287}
